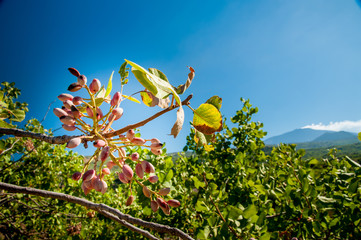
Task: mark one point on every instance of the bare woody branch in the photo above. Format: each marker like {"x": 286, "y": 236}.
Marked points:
{"x": 65, "y": 138}
{"x": 101, "y": 208}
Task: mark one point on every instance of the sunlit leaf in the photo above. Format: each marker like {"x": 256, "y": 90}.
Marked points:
{"x": 207, "y": 119}
{"x": 158, "y": 73}
{"x": 110, "y": 85}
{"x": 215, "y": 101}
{"x": 4, "y": 124}
{"x": 130, "y": 98}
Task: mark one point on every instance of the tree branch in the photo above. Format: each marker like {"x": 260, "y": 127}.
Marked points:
{"x": 101, "y": 208}
{"x": 65, "y": 138}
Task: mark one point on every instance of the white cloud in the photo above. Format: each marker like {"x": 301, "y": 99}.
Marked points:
{"x": 349, "y": 126}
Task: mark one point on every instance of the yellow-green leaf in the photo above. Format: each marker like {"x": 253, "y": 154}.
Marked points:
{"x": 131, "y": 98}
{"x": 207, "y": 119}
{"x": 110, "y": 85}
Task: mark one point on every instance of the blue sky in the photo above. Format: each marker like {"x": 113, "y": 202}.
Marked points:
{"x": 297, "y": 61}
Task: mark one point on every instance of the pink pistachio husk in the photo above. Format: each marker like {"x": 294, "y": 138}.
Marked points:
{"x": 138, "y": 141}
{"x": 122, "y": 178}
{"x": 65, "y": 96}
{"x": 134, "y": 156}
{"x": 154, "y": 140}
{"x": 156, "y": 145}
{"x": 59, "y": 112}
{"x": 146, "y": 192}
{"x": 94, "y": 86}
{"x": 99, "y": 143}
{"x": 116, "y": 99}
{"x": 85, "y": 189}
{"x": 111, "y": 117}
{"x": 69, "y": 127}
{"x": 173, "y": 203}
{"x": 74, "y": 142}
{"x": 82, "y": 80}
{"x": 111, "y": 164}
{"x": 76, "y": 176}
{"x": 164, "y": 191}
{"x": 148, "y": 167}
{"x": 130, "y": 134}
{"x": 118, "y": 113}
{"x": 88, "y": 175}
{"x": 89, "y": 184}
{"x": 74, "y": 87}
{"x": 77, "y": 100}
{"x": 163, "y": 205}
{"x": 122, "y": 153}
{"x": 106, "y": 171}
{"x": 96, "y": 183}
{"x": 130, "y": 200}
{"x": 139, "y": 171}
{"x": 74, "y": 72}
{"x": 128, "y": 172}
{"x": 104, "y": 187}
{"x": 68, "y": 104}
{"x": 89, "y": 111}
{"x": 153, "y": 179}
{"x": 75, "y": 111}
{"x": 154, "y": 205}
{"x": 104, "y": 153}
{"x": 67, "y": 120}
{"x": 99, "y": 114}
{"x": 156, "y": 151}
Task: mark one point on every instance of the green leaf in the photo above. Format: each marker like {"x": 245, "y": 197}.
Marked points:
{"x": 326, "y": 199}
{"x": 18, "y": 115}
{"x": 250, "y": 211}
{"x": 207, "y": 119}
{"x": 266, "y": 236}
{"x": 359, "y": 136}
{"x": 158, "y": 73}
{"x": 110, "y": 85}
{"x": 215, "y": 101}
{"x": 198, "y": 183}
{"x": 4, "y": 124}
{"x": 169, "y": 176}
{"x": 201, "y": 206}
{"x": 233, "y": 212}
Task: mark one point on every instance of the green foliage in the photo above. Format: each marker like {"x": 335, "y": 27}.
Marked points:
{"x": 10, "y": 110}
{"x": 237, "y": 189}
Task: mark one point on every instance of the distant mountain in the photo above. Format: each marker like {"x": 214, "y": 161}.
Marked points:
{"x": 296, "y": 136}
{"x": 310, "y": 138}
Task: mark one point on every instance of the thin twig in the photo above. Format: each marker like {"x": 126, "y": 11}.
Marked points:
{"x": 47, "y": 112}
{"x": 11, "y": 147}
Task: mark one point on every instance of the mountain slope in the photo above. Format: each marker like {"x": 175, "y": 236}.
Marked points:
{"x": 296, "y": 136}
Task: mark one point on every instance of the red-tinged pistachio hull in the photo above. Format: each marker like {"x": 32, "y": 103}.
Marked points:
{"x": 156, "y": 146}
{"x": 128, "y": 172}
{"x": 59, "y": 112}
{"x": 88, "y": 175}
{"x": 89, "y": 111}
{"x": 155, "y": 140}
{"x": 106, "y": 171}
{"x": 146, "y": 192}
{"x": 99, "y": 143}
{"x": 117, "y": 112}
{"x": 74, "y": 87}
{"x": 94, "y": 86}
{"x": 82, "y": 80}
{"x": 77, "y": 100}
{"x": 65, "y": 96}
{"x": 68, "y": 104}
{"x": 111, "y": 164}
{"x": 139, "y": 171}
{"x": 156, "y": 151}
{"x": 67, "y": 120}
{"x": 153, "y": 179}
{"x": 154, "y": 205}
{"x": 76, "y": 176}
{"x": 134, "y": 156}
{"x": 130, "y": 134}
{"x": 99, "y": 114}
{"x": 130, "y": 200}
{"x": 75, "y": 112}
{"x": 74, "y": 72}
{"x": 173, "y": 203}
{"x": 163, "y": 205}
{"x": 74, "y": 142}
{"x": 164, "y": 191}
{"x": 148, "y": 167}
{"x": 122, "y": 178}
{"x": 104, "y": 153}
{"x": 85, "y": 189}
{"x": 116, "y": 99}
{"x": 138, "y": 141}
{"x": 69, "y": 127}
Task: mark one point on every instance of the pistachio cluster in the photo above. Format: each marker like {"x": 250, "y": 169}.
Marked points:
{"x": 85, "y": 115}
